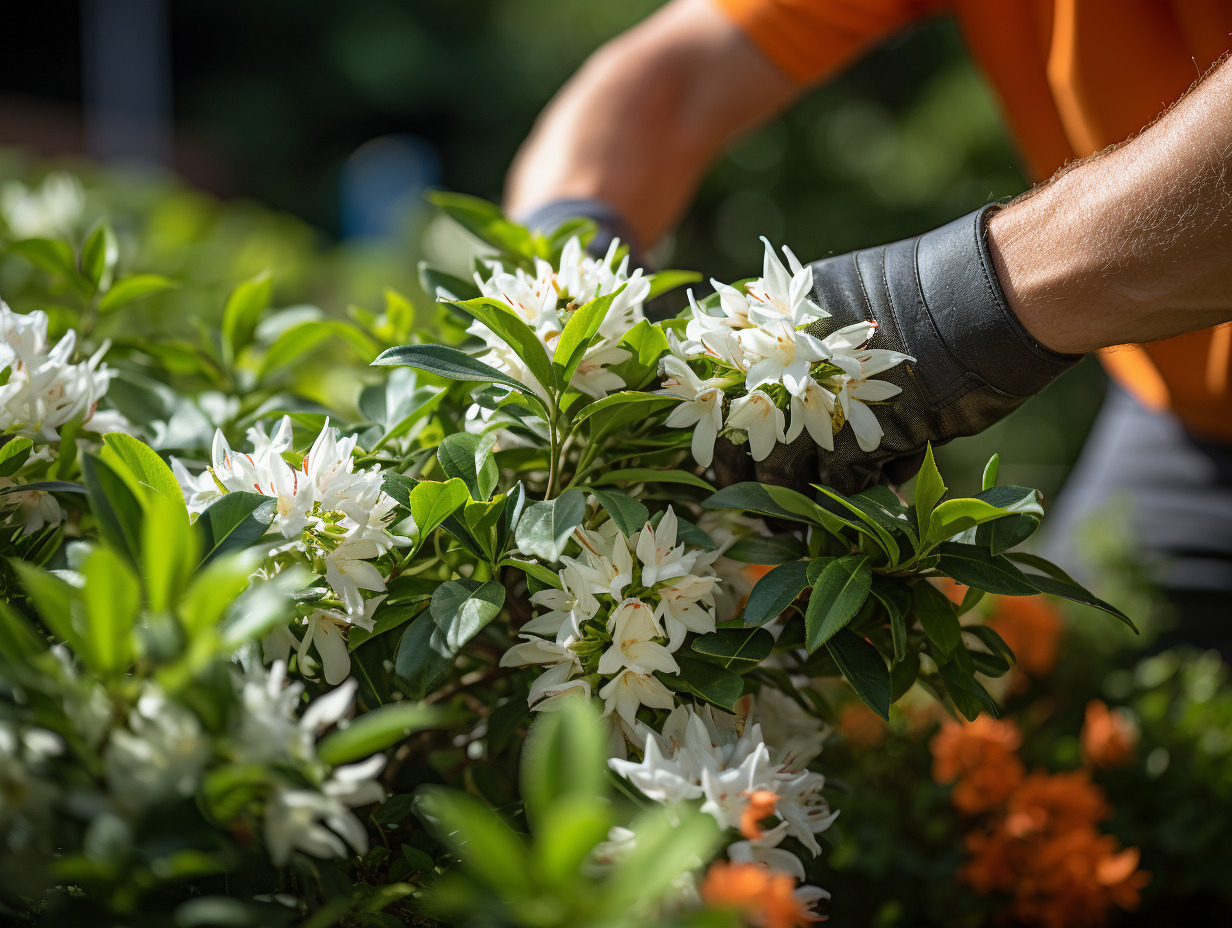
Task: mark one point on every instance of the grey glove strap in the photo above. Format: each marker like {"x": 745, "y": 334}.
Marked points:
{"x": 547, "y": 217}
{"x": 938, "y": 294}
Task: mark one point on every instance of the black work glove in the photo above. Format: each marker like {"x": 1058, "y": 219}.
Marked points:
{"x": 935, "y": 297}
{"x": 551, "y": 215}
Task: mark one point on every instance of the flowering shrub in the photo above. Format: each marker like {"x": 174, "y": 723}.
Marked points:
{"x": 266, "y": 658}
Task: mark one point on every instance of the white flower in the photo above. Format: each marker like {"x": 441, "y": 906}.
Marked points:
{"x": 777, "y": 353}
{"x": 54, "y": 209}
{"x": 671, "y": 778}
{"x": 320, "y": 822}
{"x": 348, "y": 570}
{"x": 271, "y": 727}
{"x": 783, "y": 296}
{"x": 812, "y": 408}
{"x": 629, "y": 691}
{"x": 159, "y": 755}
{"x": 35, "y": 508}
{"x": 702, "y": 407}
{"x": 543, "y": 301}
{"x": 859, "y": 390}
{"x": 326, "y": 628}
{"x": 45, "y": 389}
{"x": 761, "y": 419}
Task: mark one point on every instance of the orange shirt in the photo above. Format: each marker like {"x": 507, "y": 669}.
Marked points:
{"x": 1073, "y": 76}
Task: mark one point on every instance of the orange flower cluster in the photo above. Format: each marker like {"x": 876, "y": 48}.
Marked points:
{"x": 1038, "y": 839}
{"x": 763, "y": 897}
{"x": 1032, "y": 627}
{"x": 1108, "y": 738}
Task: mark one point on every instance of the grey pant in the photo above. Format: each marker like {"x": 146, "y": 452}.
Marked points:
{"x": 1173, "y": 492}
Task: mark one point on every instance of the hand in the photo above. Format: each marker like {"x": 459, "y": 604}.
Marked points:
{"x": 934, "y": 297}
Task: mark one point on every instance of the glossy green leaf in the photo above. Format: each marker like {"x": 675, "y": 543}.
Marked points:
{"x": 51, "y": 255}
{"x": 483, "y": 220}
{"x": 975, "y": 567}
{"x": 837, "y": 596}
{"x": 432, "y": 502}
{"x": 864, "y": 669}
{"x": 115, "y": 507}
{"x": 233, "y": 522}
{"x": 575, "y": 338}
{"x": 706, "y": 681}
{"x": 170, "y": 550}
{"x": 112, "y": 599}
{"x": 629, "y": 475}
{"x": 422, "y": 659}
{"x": 937, "y": 617}
{"x": 375, "y": 731}
{"x": 515, "y": 333}
{"x": 99, "y": 254}
{"x": 738, "y": 649}
{"x": 145, "y": 464}
{"x": 991, "y": 471}
{"x": 131, "y": 289}
{"x": 775, "y": 592}
{"x": 241, "y": 313}
{"x": 564, "y": 757}
{"x": 929, "y": 489}
{"x": 666, "y": 280}
{"x": 647, "y": 401}
{"x": 1055, "y": 582}
{"x": 545, "y": 527}
{"x": 452, "y": 364}
{"x": 13, "y": 454}
{"x": 468, "y": 457}
{"x": 757, "y": 549}
{"x": 461, "y": 608}
{"x": 629, "y": 514}
{"x": 531, "y": 569}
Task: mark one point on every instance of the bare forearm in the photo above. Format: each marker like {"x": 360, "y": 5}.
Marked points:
{"x": 640, "y": 123}
{"x": 1132, "y": 245}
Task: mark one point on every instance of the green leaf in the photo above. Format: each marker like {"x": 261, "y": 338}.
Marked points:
{"x": 576, "y": 337}
{"x": 991, "y": 470}
{"x": 864, "y": 669}
{"x": 483, "y": 220}
{"x": 706, "y": 681}
{"x": 293, "y": 344}
{"x": 422, "y": 659}
{"x": 241, "y": 313}
{"x": 53, "y": 599}
{"x": 956, "y": 516}
{"x": 937, "y": 617}
{"x": 144, "y": 463}
{"x": 531, "y": 569}
{"x": 778, "y": 502}
{"x": 663, "y": 281}
{"x": 19, "y": 639}
{"x": 1008, "y": 532}
{"x": 469, "y": 458}
{"x": 13, "y": 454}
{"x": 895, "y": 597}
{"x": 114, "y": 506}
{"x": 624, "y": 398}
{"x": 757, "y": 549}
{"x": 51, "y": 255}
{"x": 630, "y": 515}
{"x": 564, "y": 757}
{"x": 1055, "y": 582}
{"x": 235, "y": 521}
{"x": 903, "y": 675}
{"x": 629, "y": 475}
{"x": 434, "y": 281}
{"x": 431, "y": 503}
{"x": 995, "y": 644}
{"x": 461, "y": 608}
{"x": 170, "y": 549}
{"x": 515, "y": 333}
{"x": 929, "y": 488}
{"x": 837, "y": 596}
{"x": 975, "y": 567}
{"x": 99, "y": 255}
{"x": 112, "y": 599}
{"x": 375, "y": 731}
{"x": 134, "y": 288}
{"x": 775, "y": 592}
{"x": 484, "y": 845}
{"x": 387, "y": 618}
{"x": 968, "y": 693}
{"x": 545, "y": 528}
{"x": 870, "y": 522}
{"x": 739, "y": 649}
{"x": 452, "y": 364}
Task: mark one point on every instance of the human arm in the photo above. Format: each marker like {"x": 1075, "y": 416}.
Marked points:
{"x": 643, "y": 119}
{"x": 1131, "y": 245}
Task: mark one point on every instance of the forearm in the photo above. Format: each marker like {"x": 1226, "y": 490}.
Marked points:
{"x": 640, "y": 123}
{"x": 1131, "y": 245}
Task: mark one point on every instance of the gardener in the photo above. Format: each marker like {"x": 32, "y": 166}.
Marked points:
{"x": 1130, "y": 245}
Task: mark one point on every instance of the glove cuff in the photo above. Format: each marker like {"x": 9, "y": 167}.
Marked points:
{"x": 959, "y": 285}
{"x": 611, "y": 225}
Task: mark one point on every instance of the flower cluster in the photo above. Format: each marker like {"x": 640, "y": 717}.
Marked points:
{"x": 333, "y": 518}
{"x": 42, "y": 389}
{"x": 1038, "y": 839}
{"x": 546, "y": 300}
{"x": 757, "y": 351}
{"x": 622, "y": 610}
{"x": 725, "y": 761}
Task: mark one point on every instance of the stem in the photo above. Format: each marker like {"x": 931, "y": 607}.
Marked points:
{"x": 553, "y": 451}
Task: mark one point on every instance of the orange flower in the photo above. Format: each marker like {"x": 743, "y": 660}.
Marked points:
{"x": 1031, "y": 626}
{"x": 1108, "y": 738}
{"x": 761, "y": 806}
{"x": 981, "y": 756}
{"x": 953, "y": 590}
{"x": 861, "y": 725}
{"x": 763, "y": 897}
{"x": 1053, "y": 803}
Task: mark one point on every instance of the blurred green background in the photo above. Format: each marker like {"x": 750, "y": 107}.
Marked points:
{"x": 283, "y": 103}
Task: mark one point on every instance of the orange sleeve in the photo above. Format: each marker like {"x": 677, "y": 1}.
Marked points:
{"x": 809, "y": 39}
